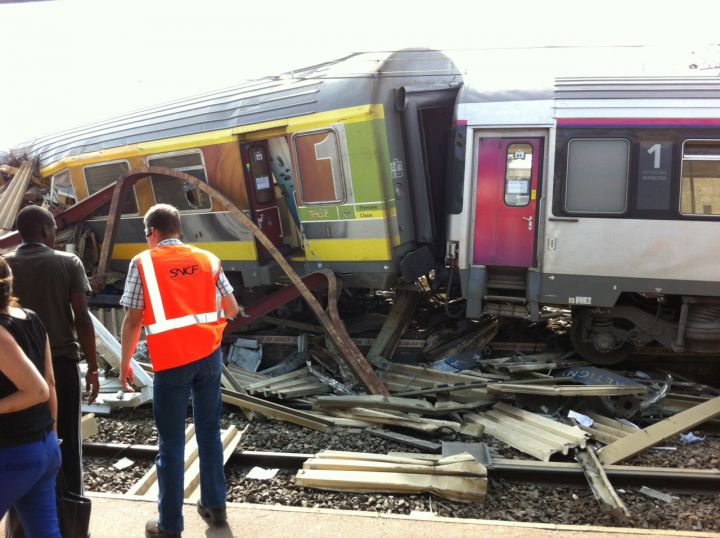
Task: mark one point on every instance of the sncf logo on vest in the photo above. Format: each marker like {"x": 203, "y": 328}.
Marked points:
{"x": 183, "y": 271}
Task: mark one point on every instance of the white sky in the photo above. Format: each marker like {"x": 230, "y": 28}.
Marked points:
{"x": 69, "y": 62}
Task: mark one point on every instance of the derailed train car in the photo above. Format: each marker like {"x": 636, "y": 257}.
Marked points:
{"x": 319, "y": 160}
{"x": 598, "y": 194}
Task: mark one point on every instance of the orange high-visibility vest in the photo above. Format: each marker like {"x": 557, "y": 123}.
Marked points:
{"x": 183, "y": 315}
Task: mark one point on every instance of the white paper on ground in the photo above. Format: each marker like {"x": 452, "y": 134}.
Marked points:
{"x": 258, "y": 473}
{"x": 584, "y": 420}
{"x": 123, "y": 463}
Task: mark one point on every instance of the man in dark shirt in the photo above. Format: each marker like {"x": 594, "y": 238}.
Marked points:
{"x": 54, "y": 285}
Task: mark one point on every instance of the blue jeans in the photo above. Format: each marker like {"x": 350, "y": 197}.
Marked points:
{"x": 27, "y": 481}
{"x": 171, "y": 390}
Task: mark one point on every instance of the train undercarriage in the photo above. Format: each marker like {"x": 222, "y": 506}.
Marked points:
{"x": 608, "y": 335}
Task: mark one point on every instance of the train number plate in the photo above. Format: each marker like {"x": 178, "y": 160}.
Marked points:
{"x": 580, "y": 300}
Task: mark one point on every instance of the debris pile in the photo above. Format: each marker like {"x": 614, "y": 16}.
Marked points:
{"x": 551, "y": 406}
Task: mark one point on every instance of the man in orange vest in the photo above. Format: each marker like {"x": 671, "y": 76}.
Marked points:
{"x": 182, "y": 297}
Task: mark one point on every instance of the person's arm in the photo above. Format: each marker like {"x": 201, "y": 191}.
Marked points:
{"x": 50, "y": 380}
{"x": 86, "y": 336}
{"x": 230, "y": 305}
{"x": 132, "y": 325}
{"x": 19, "y": 369}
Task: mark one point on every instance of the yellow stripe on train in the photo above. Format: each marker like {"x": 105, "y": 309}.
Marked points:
{"x": 348, "y": 250}
{"x": 225, "y": 250}
{"x": 284, "y": 125}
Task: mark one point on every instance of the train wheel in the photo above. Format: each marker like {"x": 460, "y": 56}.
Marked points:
{"x": 597, "y": 339}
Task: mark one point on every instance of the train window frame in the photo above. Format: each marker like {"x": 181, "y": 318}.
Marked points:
{"x": 683, "y": 159}
{"x": 627, "y": 180}
{"x": 529, "y": 180}
{"x": 54, "y": 190}
{"x": 338, "y": 183}
{"x": 87, "y": 187}
{"x": 167, "y": 154}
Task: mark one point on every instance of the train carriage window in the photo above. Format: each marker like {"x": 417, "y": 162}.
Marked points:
{"x": 184, "y": 196}
{"x": 98, "y": 176}
{"x": 518, "y": 174}
{"x": 700, "y": 183}
{"x": 597, "y": 176}
{"x": 62, "y": 192}
{"x": 320, "y": 167}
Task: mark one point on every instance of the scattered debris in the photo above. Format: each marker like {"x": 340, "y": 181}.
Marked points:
{"x": 690, "y": 438}
{"x": 147, "y": 486}
{"x": 123, "y": 463}
{"x": 88, "y": 426}
{"x": 458, "y": 478}
{"x": 605, "y": 494}
{"x": 12, "y": 196}
{"x": 528, "y": 432}
{"x": 258, "y": 473}
{"x": 520, "y": 400}
{"x": 654, "y": 434}
{"x": 245, "y": 353}
{"x": 659, "y": 495}
{"x": 567, "y": 390}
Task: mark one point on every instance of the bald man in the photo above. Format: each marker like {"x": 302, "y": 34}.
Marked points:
{"x": 54, "y": 285}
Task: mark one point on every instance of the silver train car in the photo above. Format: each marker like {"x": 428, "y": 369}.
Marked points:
{"x": 601, "y": 194}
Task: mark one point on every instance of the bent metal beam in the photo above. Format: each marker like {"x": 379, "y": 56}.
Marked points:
{"x": 329, "y": 319}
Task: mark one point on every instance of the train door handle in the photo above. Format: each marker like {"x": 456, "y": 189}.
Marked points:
{"x": 529, "y": 221}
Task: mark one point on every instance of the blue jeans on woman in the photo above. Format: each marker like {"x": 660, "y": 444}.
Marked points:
{"x": 171, "y": 391}
{"x": 27, "y": 481}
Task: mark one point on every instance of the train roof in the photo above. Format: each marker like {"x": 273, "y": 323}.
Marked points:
{"x": 548, "y": 73}
{"x": 345, "y": 82}
{"x": 485, "y": 76}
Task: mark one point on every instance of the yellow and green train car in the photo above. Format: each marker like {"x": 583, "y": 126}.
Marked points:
{"x": 341, "y": 165}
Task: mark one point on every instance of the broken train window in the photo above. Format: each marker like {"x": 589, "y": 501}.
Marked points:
{"x": 99, "y": 176}
{"x": 184, "y": 196}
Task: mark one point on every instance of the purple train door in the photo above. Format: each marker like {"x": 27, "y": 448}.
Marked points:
{"x": 261, "y": 194}
{"x": 505, "y": 205}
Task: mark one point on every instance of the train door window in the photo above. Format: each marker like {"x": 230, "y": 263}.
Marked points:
{"x": 62, "y": 192}
{"x": 700, "y": 183}
{"x": 320, "y": 167}
{"x": 261, "y": 173}
{"x": 185, "y": 196}
{"x": 597, "y": 176}
{"x": 518, "y": 174}
{"x": 99, "y": 176}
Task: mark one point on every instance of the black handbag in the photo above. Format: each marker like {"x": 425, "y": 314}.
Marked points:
{"x": 73, "y": 511}
{"x": 73, "y": 514}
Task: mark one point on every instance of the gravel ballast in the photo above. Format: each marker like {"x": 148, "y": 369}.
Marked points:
{"x": 506, "y": 500}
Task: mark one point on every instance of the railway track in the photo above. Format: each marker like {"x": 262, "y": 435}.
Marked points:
{"x": 564, "y": 473}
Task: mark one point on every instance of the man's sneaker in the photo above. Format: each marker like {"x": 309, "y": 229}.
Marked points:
{"x": 152, "y": 530}
{"x": 212, "y": 516}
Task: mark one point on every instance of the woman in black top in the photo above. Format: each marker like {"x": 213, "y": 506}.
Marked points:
{"x": 29, "y": 450}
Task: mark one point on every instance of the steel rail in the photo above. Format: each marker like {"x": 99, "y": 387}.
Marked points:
{"x": 561, "y": 473}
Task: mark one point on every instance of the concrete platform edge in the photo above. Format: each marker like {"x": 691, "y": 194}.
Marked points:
{"x": 542, "y": 529}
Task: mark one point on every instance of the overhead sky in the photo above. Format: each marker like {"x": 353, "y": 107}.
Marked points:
{"x": 70, "y": 62}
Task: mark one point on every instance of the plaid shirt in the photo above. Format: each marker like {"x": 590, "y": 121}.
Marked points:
{"x": 133, "y": 297}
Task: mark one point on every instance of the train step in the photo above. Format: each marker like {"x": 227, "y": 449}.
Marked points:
{"x": 518, "y": 311}
{"x": 504, "y": 298}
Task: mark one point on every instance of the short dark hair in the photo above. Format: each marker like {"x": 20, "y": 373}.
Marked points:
{"x": 164, "y": 218}
{"x": 30, "y": 221}
{"x": 6, "y": 296}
